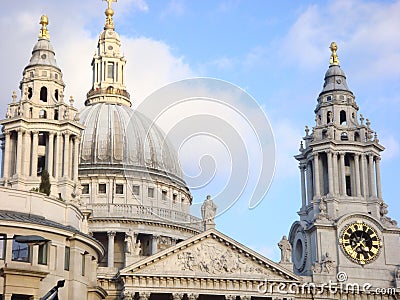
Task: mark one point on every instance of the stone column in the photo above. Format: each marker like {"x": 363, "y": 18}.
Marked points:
{"x": 66, "y": 154}
{"x": 303, "y": 185}
{"x": 154, "y": 244}
{"x": 110, "y": 257}
{"x": 309, "y": 183}
{"x": 378, "y": 176}
{"x": 50, "y": 154}
{"x": 372, "y": 189}
{"x": 76, "y": 157}
{"x": 34, "y": 153}
{"x": 6, "y": 158}
{"x": 364, "y": 176}
{"x": 342, "y": 174}
{"x": 18, "y": 169}
{"x": 316, "y": 176}
{"x": 27, "y": 154}
{"x": 336, "y": 174}
{"x": 57, "y": 152}
{"x": 330, "y": 172}
{"x": 357, "y": 167}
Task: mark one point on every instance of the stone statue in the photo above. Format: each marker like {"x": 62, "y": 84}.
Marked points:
{"x": 327, "y": 263}
{"x": 208, "y": 209}
{"x": 286, "y": 249}
{"x": 208, "y": 212}
{"x": 137, "y": 248}
{"x": 129, "y": 242}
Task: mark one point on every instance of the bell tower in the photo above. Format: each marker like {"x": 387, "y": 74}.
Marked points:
{"x": 41, "y": 131}
{"x": 343, "y": 225}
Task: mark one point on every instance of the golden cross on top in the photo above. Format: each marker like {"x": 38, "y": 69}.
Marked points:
{"x": 109, "y": 14}
{"x": 334, "y": 60}
{"x": 109, "y": 2}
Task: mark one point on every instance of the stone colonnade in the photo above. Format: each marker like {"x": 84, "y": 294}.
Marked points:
{"x": 21, "y": 151}
{"x": 366, "y": 175}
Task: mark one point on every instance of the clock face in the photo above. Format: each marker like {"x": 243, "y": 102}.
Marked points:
{"x": 360, "y": 242}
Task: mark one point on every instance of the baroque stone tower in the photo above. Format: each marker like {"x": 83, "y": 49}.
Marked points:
{"x": 343, "y": 225}
{"x": 41, "y": 131}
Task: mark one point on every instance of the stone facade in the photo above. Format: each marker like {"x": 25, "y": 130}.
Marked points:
{"x": 117, "y": 222}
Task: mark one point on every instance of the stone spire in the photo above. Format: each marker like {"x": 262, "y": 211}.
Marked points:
{"x": 108, "y": 67}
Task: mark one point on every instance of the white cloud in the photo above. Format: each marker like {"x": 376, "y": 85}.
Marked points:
{"x": 345, "y": 21}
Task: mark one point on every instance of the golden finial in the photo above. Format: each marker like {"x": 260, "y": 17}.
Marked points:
{"x": 44, "y": 33}
{"x": 334, "y": 61}
{"x": 109, "y": 14}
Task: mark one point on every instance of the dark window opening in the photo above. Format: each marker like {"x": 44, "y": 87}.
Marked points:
{"x": 110, "y": 70}
{"x": 346, "y": 160}
{"x": 42, "y": 254}
{"x": 174, "y": 197}
{"x": 357, "y": 137}
{"x": 30, "y": 93}
{"x": 42, "y": 114}
{"x": 43, "y": 94}
{"x": 344, "y": 136}
{"x": 329, "y": 118}
{"x": 136, "y": 190}
{"x": 348, "y": 186}
{"x": 56, "y": 114}
{"x": 102, "y": 188}
{"x": 329, "y": 98}
{"x": 83, "y": 264}
{"x": 56, "y": 95}
{"x": 67, "y": 258}
{"x": 164, "y": 195}
{"x": 150, "y": 192}
{"x": 20, "y": 252}
{"x": 343, "y": 120}
{"x": 85, "y": 189}
{"x": 41, "y": 164}
{"x": 119, "y": 189}
{"x": 2, "y": 246}
{"x": 30, "y": 113}
{"x": 42, "y": 139}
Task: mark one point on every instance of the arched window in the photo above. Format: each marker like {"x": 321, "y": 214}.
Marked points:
{"x": 344, "y": 136}
{"x": 30, "y": 92}
{"x": 343, "y": 120}
{"x": 42, "y": 114}
{"x": 43, "y": 94}
{"x": 357, "y": 137}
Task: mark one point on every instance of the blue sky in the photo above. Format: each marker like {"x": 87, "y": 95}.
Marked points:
{"x": 276, "y": 51}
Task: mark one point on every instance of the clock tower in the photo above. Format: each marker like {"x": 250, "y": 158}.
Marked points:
{"x": 343, "y": 227}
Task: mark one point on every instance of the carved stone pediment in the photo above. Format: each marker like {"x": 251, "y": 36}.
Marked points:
{"x": 210, "y": 254}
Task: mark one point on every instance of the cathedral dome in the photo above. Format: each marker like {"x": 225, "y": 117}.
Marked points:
{"x": 120, "y": 138}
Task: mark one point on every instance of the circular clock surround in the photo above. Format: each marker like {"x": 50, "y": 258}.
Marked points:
{"x": 299, "y": 251}
{"x": 360, "y": 242}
